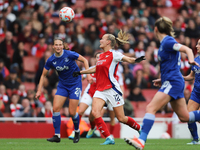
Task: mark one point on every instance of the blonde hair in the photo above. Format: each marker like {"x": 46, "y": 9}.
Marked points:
{"x": 164, "y": 25}
{"x": 65, "y": 45}
{"x": 120, "y": 40}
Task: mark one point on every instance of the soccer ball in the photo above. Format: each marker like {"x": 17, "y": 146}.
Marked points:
{"x": 66, "y": 14}
{"x": 165, "y": 135}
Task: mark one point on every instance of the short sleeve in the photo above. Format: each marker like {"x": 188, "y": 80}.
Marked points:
{"x": 73, "y": 55}
{"x": 170, "y": 44}
{"x": 47, "y": 64}
{"x": 117, "y": 56}
{"x": 193, "y": 66}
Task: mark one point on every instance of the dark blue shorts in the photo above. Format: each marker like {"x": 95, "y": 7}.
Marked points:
{"x": 195, "y": 97}
{"x": 72, "y": 91}
{"x": 175, "y": 89}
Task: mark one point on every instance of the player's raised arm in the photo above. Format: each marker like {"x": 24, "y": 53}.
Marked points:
{"x": 189, "y": 53}
{"x": 86, "y": 65}
{"x": 87, "y": 71}
{"x": 40, "y": 85}
{"x": 189, "y": 77}
{"x": 132, "y": 59}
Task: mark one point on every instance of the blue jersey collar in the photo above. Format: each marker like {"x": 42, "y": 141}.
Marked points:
{"x": 60, "y": 55}
{"x": 163, "y": 38}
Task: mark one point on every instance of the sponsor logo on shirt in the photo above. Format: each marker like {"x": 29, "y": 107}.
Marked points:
{"x": 60, "y": 68}
{"x": 54, "y": 62}
{"x": 66, "y": 59}
{"x": 196, "y": 70}
{"x": 100, "y": 62}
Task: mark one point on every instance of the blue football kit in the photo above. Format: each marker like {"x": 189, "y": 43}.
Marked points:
{"x": 195, "y": 95}
{"x": 170, "y": 63}
{"x": 65, "y": 65}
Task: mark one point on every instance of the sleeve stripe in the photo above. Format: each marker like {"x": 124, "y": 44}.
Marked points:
{"x": 177, "y": 46}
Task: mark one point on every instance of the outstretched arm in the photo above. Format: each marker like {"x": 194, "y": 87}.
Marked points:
{"x": 86, "y": 65}
{"x": 189, "y": 77}
{"x": 189, "y": 53}
{"x": 40, "y": 85}
{"x": 132, "y": 59}
{"x": 87, "y": 71}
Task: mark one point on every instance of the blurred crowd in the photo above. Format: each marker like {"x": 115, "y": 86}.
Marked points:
{"x": 28, "y": 27}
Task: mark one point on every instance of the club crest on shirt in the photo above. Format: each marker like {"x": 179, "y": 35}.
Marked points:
{"x": 197, "y": 70}
{"x": 159, "y": 58}
{"x": 161, "y": 48}
{"x": 66, "y": 59}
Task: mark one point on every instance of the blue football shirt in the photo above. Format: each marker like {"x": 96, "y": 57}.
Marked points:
{"x": 170, "y": 60}
{"x": 65, "y": 66}
{"x": 196, "y": 70}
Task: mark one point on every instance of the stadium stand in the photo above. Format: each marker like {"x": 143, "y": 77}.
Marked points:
{"x": 129, "y": 20}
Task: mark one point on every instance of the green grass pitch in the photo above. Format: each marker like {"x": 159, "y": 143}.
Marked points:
{"x": 93, "y": 144}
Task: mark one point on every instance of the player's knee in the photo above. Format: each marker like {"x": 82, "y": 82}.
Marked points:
{"x": 56, "y": 109}
{"x": 183, "y": 119}
{"x": 96, "y": 114}
{"x": 80, "y": 112}
{"x": 72, "y": 113}
{"x": 150, "y": 109}
{"x": 121, "y": 119}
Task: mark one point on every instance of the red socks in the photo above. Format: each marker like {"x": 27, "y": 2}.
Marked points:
{"x": 133, "y": 124}
{"x": 80, "y": 116}
{"x": 112, "y": 127}
{"x": 92, "y": 124}
{"x": 102, "y": 127}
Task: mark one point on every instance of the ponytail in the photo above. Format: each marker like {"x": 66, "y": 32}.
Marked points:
{"x": 120, "y": 40}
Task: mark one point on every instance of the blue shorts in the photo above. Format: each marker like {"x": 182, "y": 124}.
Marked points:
{"x": 195, "y": 97}
{"x": 71, "y": 91}
{"x": 175, "y": 89}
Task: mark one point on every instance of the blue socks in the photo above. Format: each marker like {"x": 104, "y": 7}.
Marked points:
{"x": 194, "y": 116}
{"x": 146, "y": 127}
{"x": 193, "y": 130}
{"x": 76, "y": 121}
{"x": 56, "y": 122}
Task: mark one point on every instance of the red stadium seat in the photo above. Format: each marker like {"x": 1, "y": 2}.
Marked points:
{"x": 169, "y": 12}
{"x": 7, "y": 115}
{"x": 1, "y": 38}
{"x": 98, "y": 4}
{"x": 79, "y": 3}
{"x": 29, "y": 85}
{"x": 15, "y": 38}
{"x": 27, "y": 47}
{"x": 118, "y": 3}
{"x": 139, "y": 108}
{"x": 193, "y": 43}
{"x": 56, "y": 20}
{"x": 149, "y": 94}
{"x": 9, "y": 92}
{"x": 150, "y": 35}
{"x": 85, "y": 22}
{"x": 30, "y": 66}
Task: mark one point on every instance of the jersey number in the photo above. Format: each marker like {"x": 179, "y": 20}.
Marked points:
{"x": 117, "y": 98}
{"x": 78, "y": 92}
